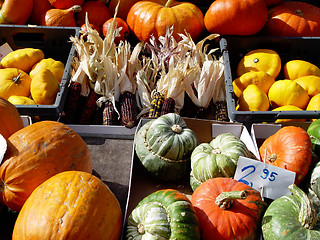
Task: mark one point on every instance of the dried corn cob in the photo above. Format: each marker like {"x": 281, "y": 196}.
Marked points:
{"x": 96, "y": 119}
{"x": 128, "y": 107}
{"x": 156, "y": 105}
{"x": 168, "y": 106}
{"x": 89, "y": 107}
{"x": 221, "y": 111}
{"x": 201, "y": 113}
{"x": 72, "y": 101}
{"x": 109, "y": 115}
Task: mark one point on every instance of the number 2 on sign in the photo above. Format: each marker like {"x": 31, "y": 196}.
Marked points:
{"x": 251, "y": 169}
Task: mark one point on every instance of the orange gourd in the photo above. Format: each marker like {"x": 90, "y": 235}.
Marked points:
{"x": 10, "y": 120}
{"x": 60, "y": 17}
{"x": 71, "y": 205}
{"x": 15, "y": 11}
{"x": 34, "y": 154}
{"x": 147, "y": 18}
{"x": 40, "y": 7}
{"x": 289, "y": 148}
{"x": 118, "y": 23}
{"x": 64, "y": 4}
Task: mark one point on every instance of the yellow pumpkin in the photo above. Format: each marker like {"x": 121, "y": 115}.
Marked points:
{"x": 44, "y": 87}
{"x": 253, "y": 99}
{"x": 299, "y": 68}
{"x": 310, "y": 83}
{"x": 288, "y": 108}
{"x": 56, "y": 67}
{"x": 20, "y": 100}
{"x": 260, "y": 78}
{"x": 14, "y": 81}
{"x": 288, "y": 92}
{"x": 266, "y": 60}
{"x": 23, "y": 59}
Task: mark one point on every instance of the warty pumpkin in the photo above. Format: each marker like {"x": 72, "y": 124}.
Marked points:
{"x": 147, "y": 18}
{"x": 289, "y": 148}
{"x": 10, "y": 120}
{"x": 15, "y": 11}
{"x": 71, "y": 205}
{"x": 228, "y": 209}
{"x": 37, "y": 152}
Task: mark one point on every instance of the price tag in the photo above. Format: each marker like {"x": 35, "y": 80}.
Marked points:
{"x": 271, "y": 180}
{"x": 4, "y": 50}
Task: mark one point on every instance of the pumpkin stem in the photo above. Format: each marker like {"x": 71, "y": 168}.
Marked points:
{"x": 176, "y": 128}
{"x": 17, "y": 78}
{"x": 299, "y": 12}
{"x": 272, "y": 157}
{"x": 168, "y": 3}
{"x": 307, "y": 214}
{"x": 141, "y": 229}
{"x": 225, "y": 199}
{"x": 75, "y": 8}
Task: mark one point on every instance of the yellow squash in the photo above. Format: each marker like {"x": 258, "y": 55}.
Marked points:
{"x": 20, "y": 100}
{"x": 44, "y": 87}
{"x": 288, "y": 92}
{"x": 288, "y": 108}
{"x": 14, "y": 81}
{"x": 299, "y": 68}
{"x": 310, "y": 83}
{"x": 266, "y": 60}
{"x": 56, "y": 67}
{"x": 253, "y": 99}
{"x": 260, "y": 78}
{"x": 23, "y": 59}
{"x": 314, "y": 104}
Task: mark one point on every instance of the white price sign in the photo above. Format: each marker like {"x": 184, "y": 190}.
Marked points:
{"x": 271, "y": 180}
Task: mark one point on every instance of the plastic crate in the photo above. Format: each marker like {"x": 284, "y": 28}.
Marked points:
{"x": 55, "y": 43}
{"x": 289, "y": 48}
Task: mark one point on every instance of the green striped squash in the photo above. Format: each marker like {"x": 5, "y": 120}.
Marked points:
{"x": 164, "y": 146}
{"x": 218, "y": 158}
{"x": 291, "y": 217}
{"x": 314, "y": 133}
{"x": 164, "y": 214}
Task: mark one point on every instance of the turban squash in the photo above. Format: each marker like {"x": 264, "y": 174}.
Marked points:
{"x": 147, "y": 18}
{"x": 34, "y": 154}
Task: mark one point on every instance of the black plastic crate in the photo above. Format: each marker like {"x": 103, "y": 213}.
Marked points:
{"x": 55, "y": 43}
{"x": 289, "y": 48}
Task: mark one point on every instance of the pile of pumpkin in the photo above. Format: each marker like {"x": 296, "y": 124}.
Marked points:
{"x": 259, "y": 87}
{"x": 27, "y": 77}
{"x": 53, "y": 191}
{"x": 220, "y": 206}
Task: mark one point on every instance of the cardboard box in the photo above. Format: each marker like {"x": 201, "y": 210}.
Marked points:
{"x": 142, "y": 184}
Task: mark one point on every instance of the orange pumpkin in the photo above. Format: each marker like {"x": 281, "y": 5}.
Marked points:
{"x": 71, "y": 205}
{"x": 293, "y": 19}
{"x": 36, "y": 153}
{"x": 289, "y": 148}
{"x": 10, "y": 120}
{"x": 15, "y": 11}
{"x": 40, "y": 7}
{"x": 123, "y": 8}
{"x": 64, "y": 4}
{"x": 236, "y": 17}
{"x": 147, "y": 18}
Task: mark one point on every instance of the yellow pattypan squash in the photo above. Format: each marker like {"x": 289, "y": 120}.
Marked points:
{"x": 14, "y": 81}
{"x": 288, "y": 92}
{"x": 260, "y": 78}
{"x": 253, "y": 99}
{"x": 310, "y": 83}
{"x": 314, "y": 104}
{"x": 23, "y": 59}
{"x": 288, "y": 108}
{"x": 44, "y": 87}
{"x": 299, "y": 68}
{"x": 56, "y": 67}
{"x": 20, "y": 100}
{"x": 266, "y": 60}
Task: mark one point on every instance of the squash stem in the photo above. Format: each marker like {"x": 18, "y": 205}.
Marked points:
{"x": 176, "y": 128}
{"x": 17, "y": 78}
{"x": 168, "y": 3}
{"x": 225, "y": 199}
{"x": 307, "y": 214}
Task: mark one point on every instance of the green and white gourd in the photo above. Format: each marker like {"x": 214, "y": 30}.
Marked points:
{"x": 314, "y": 186}
{"x": 291, "y": 217}
{"x": 164, "y": 146}
{"x": 218, "y": 158}
{"x": 163, "y": 215}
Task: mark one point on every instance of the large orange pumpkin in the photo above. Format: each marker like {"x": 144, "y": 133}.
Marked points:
{"x": 236, "y": 17}
{"x": 293, "y": 19}
{"x": 36, "y": 153}
{"x": 15, "y": 11}
{"x": 289, "y": 148}
{"x": 147, "y": 18}
{"x": 10, "y": 120}
{"x": 71, "y": 205}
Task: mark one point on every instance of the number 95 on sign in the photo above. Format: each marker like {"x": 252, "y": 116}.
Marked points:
{"x": 259, "y": 175}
